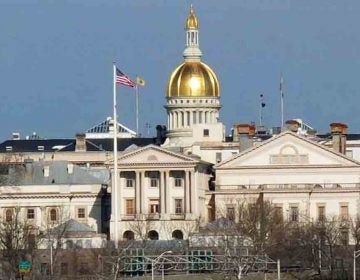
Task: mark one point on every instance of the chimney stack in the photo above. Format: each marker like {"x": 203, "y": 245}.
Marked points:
{"x": 292, "y": 125}
{"x": 338, "y": 133}
{"x": 80, "y": 145}
{"x": 245, "y": 134}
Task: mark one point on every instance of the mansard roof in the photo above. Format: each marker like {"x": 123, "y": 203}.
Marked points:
{"x": 33, "y": 173}
{"x": 68, "y": 145}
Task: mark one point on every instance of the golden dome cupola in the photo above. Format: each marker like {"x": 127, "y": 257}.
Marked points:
{"x": 192, "y": 21}
{"x": 192, "y": 51}
{"x": 193, "y": 78}
{"x": 193, "y": 95}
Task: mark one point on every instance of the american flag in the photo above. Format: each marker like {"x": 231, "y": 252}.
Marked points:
{"x": 122, "y": 79}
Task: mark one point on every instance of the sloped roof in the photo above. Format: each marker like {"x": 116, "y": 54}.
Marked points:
{"x": 33, "y": 174}
{"x": 68, "y": 145}
{"x": 73, "y": 226}
{"x": 104, "y": 127}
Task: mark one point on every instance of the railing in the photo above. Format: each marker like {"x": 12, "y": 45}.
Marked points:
{"x": 177, "y": 216}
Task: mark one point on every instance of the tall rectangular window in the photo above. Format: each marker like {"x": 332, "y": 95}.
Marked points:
{"x": 178, "y": 182}
{"x": 154, "y": 182}
{"x": 154, "y": 206}
{"x": 344, "y": 212}
{"x": 30, "y": 213}
{"x": 294, "y": 214}
{"x": 130, "y": 183}
{"x": 278, "y": 213}
{"x": 130, "y": 207}
{"x": 230, "y": 213}
{"x": 321, "y": 213}
{"x": 178, "y": 206}
{"x": 81, "y": 213}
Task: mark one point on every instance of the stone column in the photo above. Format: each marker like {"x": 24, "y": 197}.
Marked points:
{"x": 143, "y": 208}
{"x": 119, "y": 194}
{"x": 187, "y": 193}
{"x": 162, "y": 194}
{"x": 137, "y": 192}
{"x": 193, "y": 192}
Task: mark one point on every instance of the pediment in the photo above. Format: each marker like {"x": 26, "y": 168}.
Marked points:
{"x": 154, "y": 155}
{"x": 288, "y": 149}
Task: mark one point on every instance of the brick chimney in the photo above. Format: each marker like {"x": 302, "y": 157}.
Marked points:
{"x": 80, "y": 145}
{"x": 338, "y": 133}
{"x": 245, "y": 133}
{"x": 292, "y": 125}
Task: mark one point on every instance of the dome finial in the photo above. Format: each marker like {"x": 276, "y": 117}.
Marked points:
{"x": 192, "y": 21}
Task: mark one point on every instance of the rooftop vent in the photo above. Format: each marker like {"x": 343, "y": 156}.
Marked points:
{"x": 16, "y": 136}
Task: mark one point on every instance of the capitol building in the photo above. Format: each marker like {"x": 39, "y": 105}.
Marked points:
{"x": 188, "y": 176}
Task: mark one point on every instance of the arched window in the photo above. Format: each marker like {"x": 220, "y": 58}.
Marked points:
{"x": 153, "y": 235}
{"x": 177, "y": 234}
{"x": 128, "y": 235}
{"x": 53, "y": 215}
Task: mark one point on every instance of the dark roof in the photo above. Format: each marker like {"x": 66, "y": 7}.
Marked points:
{"x": 68, "y": 145}
{"x": 350, "y": 137}
{"x": 32, "y": 173}
{"x": 73, "y": 226}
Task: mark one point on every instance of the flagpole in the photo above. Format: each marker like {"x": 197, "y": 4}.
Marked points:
{"x": 115, "y": 187}
{"x": 261, "y": 106}
{"x": 282, "y": 101}
{"x": 137, "y": 109}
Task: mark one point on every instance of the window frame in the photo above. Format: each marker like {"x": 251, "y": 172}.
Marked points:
{"x": 178, "y": 182}
{"x": 179, "y": 209}
{"x": 130, "y": 182}
{"x": 127, "y": 206}
{"x": 28, "y": 214}
{"x": 78, "y": 209}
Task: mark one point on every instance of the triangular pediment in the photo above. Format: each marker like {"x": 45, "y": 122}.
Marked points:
{"x": 288, "y": 149}
{"x": 154, "y": 155}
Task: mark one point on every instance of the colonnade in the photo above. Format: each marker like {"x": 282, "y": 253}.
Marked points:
{"x": 165, "y": 196}
{"x": 187, "y": 118}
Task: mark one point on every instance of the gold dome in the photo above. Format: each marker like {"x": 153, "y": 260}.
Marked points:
{"x": 192, "y": 21}
{"x": 193, "y": 79}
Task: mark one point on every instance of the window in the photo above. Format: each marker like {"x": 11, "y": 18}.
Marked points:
{"x": 31, "y": 241}
{"x": 8, "y": 215}
{"x": 81, "y": 213}
{"x": 230, "y": 213}
{"x": 53, "y": 215}
{"x": 178, "y": 182}
{"x": 154, "y": 182}
{"x": 344, "y": 238}
{"x": 206, "y": 133}
{"x": 30, "y": 214}
{"x": 64, "y": 269}
{"x": 321, "y": 213}
{"x": 154, "y": 206}
{"x": 178, "y": 206}
{"x": 278, "y": 213}
{"x": 130, "y": 209}
{"x": 130, "y": 183}
{"x": 294, "y": 214}
{"x": 344, "y": 213}
{"x": 44, "y": 269}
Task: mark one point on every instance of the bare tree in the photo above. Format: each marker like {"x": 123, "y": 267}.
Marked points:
{"x": 17, "y": 240}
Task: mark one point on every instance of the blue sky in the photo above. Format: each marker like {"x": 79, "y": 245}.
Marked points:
{"x": 56, "y": 60}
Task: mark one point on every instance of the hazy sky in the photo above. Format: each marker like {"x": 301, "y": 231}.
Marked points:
{"x": 56, "y": 60}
